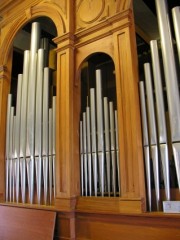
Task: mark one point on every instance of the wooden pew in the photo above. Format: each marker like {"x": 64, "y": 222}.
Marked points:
{"x": 26, "y": 224}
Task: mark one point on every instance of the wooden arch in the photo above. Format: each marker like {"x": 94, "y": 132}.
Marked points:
{"x": 51, "y": 11}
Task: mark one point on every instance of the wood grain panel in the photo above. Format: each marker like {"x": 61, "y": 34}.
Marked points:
{"x": 128, "y": 227}
{"x": 21, "y": 223}
{"x": 109, "y": 205}
{"x": 65, "y": 226}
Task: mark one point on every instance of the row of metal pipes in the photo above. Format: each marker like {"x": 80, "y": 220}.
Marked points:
{"x": 30, "y": 129}
{"x": 154, "y": 122}
{"x": 99, "y": 148}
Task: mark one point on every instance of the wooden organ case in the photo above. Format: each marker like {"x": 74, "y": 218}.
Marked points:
{"x": 85, "y": 28}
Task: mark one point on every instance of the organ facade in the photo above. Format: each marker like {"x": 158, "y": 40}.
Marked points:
{"x": 77, "y": 146}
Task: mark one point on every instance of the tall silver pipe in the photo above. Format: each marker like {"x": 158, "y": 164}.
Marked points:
{"x": 169, "y": 69}
{"x": 145, "y": 142}
{"x": 107, "y": 144}
{"x": 160, "y": 116}
{"x": 11, "y": 153}
{"x": 82, "y": 158}
{"x": 35, "y": 40}
{"x": 38, "y": 122}
{"x": 14, "y": 160}
{"x": 117, "y": 151}
{"x": 113, "y": 147}
{"x": 93, "y": 137}
{"x": 45, "y": 131}
{"x": 9, "y": 102}
{"x": 89, "y": 150}
{"x": 54, "y": 144}
{"x": 152, "y": 130}
{"x": 176, "y": 21}
{"x": 85, "y": 154}
{"x": 23, "y": 126}
{"x": 100, "y": 129}
{"x": 158, "y": 92}
{"x": 17, "y": 133}
{"x": 50, "y": 155}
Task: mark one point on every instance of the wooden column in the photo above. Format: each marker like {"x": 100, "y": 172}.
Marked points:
{"x": 66, "y": 168}
{"x": 131, "y": 156}
{"x": 4, "y": 90}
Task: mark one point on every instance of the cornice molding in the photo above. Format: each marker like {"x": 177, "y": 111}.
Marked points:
{"x": 5, "y": 3}
{"x": 21, "y": 7}
{"x": 103, "y": 28}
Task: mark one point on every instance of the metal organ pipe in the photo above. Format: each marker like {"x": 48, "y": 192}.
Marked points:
{"x": 85, "y": 154}
{"x": 13, "y": 159}
{"x": 17, "y": 134}
{"x": 89, "y": 150}
{"x": 82, "y": 158}
{"x": 112, "y": 140}
{"x": 100, "y": 132}
{"x": 117, "y": 151}
{"x": 93, "y": 137}
{"x": 38, "y": 121}
{"x": 152, "y": 130}
{"x": 145, "y": 142}
{"x": 54, "y": 142}
{"x": 107, "y": 144}
{"x": 11, "y": 154}
{"x": 30, "y": 132}
{"x": 50, "y": 155}
{"x": 160, "y": 116}
{"x": 45, "y": 143}
{"x": 35, "y": 38}
{"x": 9, "y": 102}
{"x": 23, "y": 127}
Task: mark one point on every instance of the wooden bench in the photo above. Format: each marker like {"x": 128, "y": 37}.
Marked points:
{"x": 27, "y": 224}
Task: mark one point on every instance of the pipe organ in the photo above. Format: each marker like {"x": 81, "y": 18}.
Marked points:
{"x": 30, "y": 131}
{"x": 99, "y": 153}
{"x": 154, "y": 121}
{"x": 93, "y": 174}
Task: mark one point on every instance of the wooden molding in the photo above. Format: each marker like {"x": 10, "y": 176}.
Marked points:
{"x": 109, "y": 205}
{"x": 17, "y": 223}
{"x": 102, "y": 29}
{"x": 98, "y": 11}
{"x": 147, "y": 226}
{"x": 65, "y": 204}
